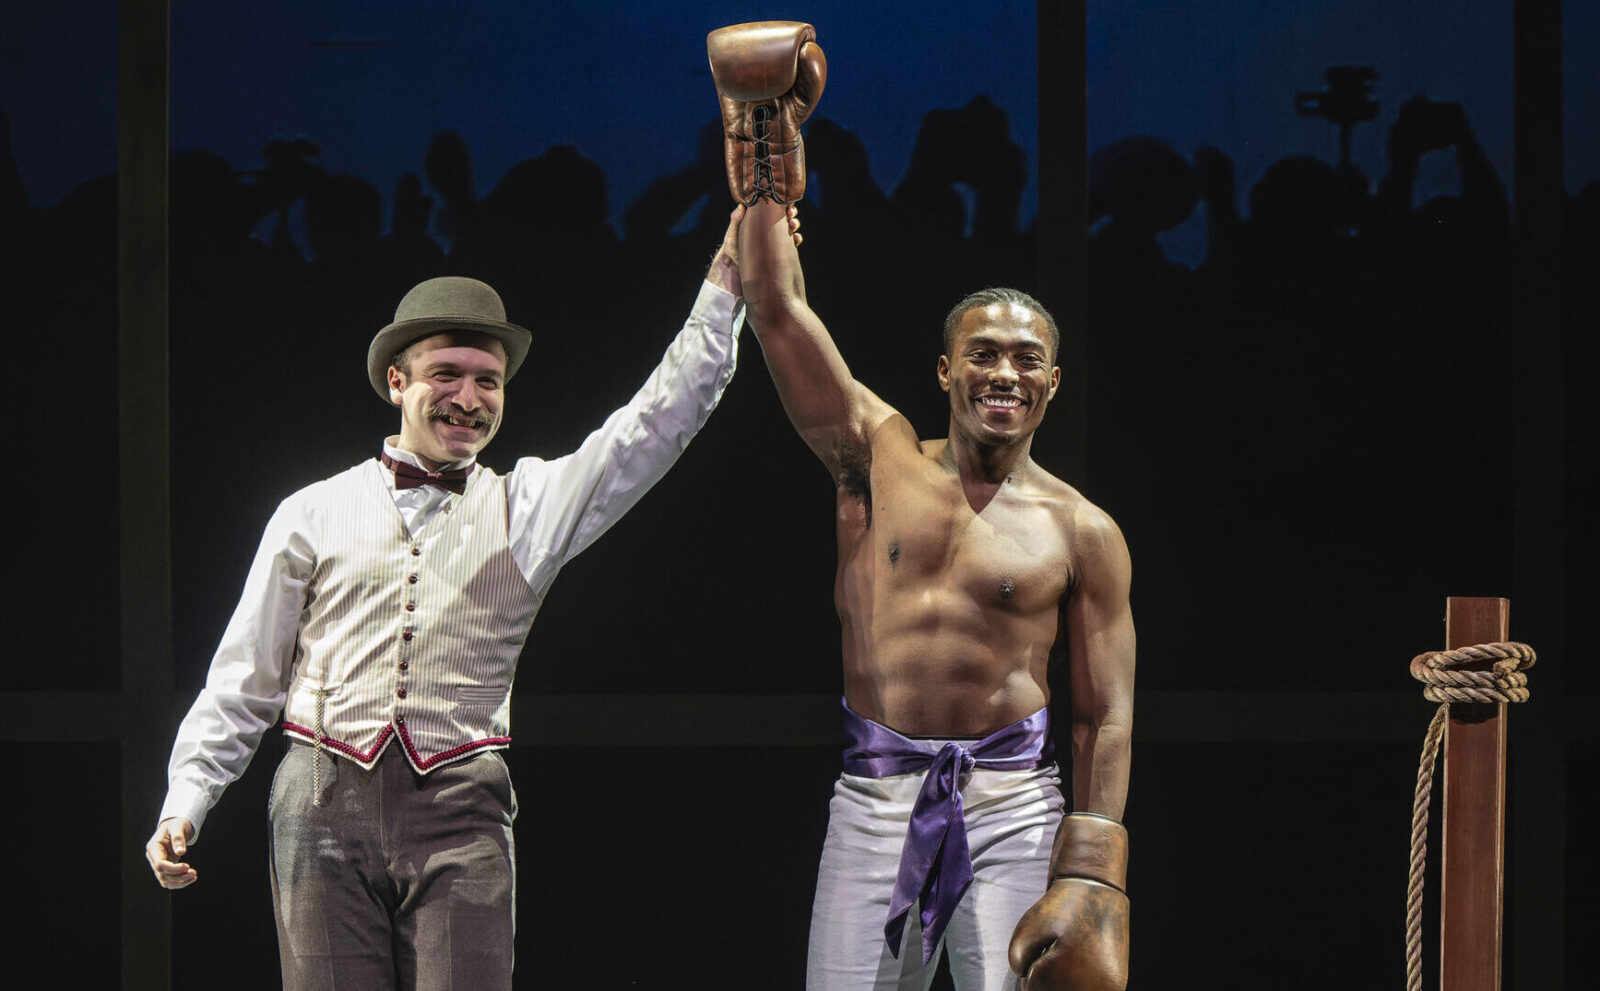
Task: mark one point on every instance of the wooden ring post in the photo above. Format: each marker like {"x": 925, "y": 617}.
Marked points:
{"x": 1473, "y": 880}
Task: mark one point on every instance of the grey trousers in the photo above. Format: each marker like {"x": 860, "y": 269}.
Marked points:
{"x": 396, "y": 880}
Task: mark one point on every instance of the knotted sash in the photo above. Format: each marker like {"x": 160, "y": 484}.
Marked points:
{"x": 936, "y": 864}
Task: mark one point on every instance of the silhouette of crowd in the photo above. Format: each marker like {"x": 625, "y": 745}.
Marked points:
{"x": 1289, "y": 406}
{"x": 1291, "y": 420}
{"x": 1281, "y": 429}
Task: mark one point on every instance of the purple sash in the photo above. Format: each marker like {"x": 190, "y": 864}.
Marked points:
{"x": 935, "y": 864}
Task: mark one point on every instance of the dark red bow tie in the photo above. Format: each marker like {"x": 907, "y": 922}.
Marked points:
{"x": 409, "y": 476}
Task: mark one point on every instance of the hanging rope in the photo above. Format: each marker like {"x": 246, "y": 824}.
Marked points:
{"x": 1444, "y": 682}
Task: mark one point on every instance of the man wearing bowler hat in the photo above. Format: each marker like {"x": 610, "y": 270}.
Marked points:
{"x": 383, "y": 617}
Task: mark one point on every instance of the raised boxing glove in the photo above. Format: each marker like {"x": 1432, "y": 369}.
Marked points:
{"x": 769, "y": 75}
{"x": 1075, "y": 938}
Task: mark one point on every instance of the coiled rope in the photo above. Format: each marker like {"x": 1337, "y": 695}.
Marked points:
{"x": 1444, "y": 682}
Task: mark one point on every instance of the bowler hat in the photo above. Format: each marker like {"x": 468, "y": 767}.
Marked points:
{"x": 450, "y": 302}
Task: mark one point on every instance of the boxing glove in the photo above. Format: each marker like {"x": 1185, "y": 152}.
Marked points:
{"x": 769, "y": 75}
{"x": 1075, "y": 938}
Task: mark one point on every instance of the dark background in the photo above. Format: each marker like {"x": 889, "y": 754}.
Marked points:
{"x": 1319, "y": 394}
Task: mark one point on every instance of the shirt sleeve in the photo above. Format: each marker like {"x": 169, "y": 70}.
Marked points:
{"x": 249, "y": 677}
{"x": 557, "y": 508}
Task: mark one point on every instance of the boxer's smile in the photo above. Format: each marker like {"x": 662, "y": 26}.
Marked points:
{"x": 1001, "y": 402}
{"x": 1000, "y": 368}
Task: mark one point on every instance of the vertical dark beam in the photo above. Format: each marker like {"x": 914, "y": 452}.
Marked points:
{"x": 1062, "y": 230}
{"x": 1539, "y": 323}
{"x": 142, "y": 403}
{"x": 1470, "y": 892}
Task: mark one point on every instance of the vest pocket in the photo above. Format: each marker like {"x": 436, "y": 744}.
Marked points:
{"x": 479, "y": 695}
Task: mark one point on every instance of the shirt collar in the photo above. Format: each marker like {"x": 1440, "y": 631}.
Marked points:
{"x": 391, "y": 447}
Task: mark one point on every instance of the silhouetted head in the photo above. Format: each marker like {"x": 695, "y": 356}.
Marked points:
{"x": 412, "y": 208}
{"x": 1142, "y": 184}
{"x": 448, "y": 166}
{"x": 344, "y": 214}
{"x": 559, "y": 191}
{"x": 209, "y": 205}
{"x": 1298, "y": 195}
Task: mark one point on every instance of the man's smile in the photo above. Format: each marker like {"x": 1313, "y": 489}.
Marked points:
{"x": 456, "y": 420}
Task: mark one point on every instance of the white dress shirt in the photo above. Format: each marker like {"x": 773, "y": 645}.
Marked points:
{"x": 553, "y": 510}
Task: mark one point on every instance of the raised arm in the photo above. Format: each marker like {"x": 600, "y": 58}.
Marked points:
{"x": 558, "y": 508}
{"x": 833, "y": 413}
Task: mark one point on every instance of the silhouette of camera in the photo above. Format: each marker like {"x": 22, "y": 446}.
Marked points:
{"x": 1348, "y": 99}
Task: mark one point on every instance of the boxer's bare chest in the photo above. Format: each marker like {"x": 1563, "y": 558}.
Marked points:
{"x": 1000, "y": 547}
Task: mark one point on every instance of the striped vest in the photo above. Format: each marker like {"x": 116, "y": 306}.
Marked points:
{"x": 415, "y": 635}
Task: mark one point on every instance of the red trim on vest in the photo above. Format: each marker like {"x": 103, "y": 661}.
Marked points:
{"x": 340, "y": 745}
{"x": 405, "y": 741}
{"x": 423, "y": 765}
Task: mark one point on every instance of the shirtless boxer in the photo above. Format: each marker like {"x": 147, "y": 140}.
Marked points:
{"x": 965, "y": 572}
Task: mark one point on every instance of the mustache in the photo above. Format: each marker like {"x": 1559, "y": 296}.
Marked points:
{"x": 440, "y": 411}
